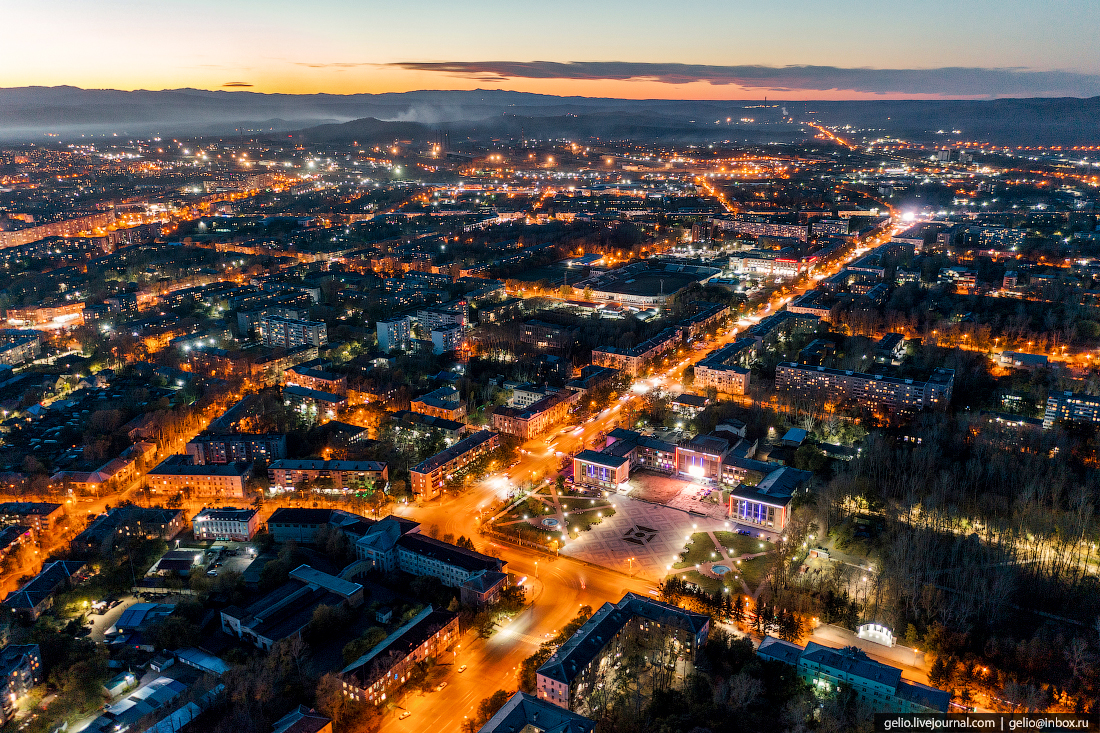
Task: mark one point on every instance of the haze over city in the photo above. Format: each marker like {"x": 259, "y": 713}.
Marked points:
{"x": 574, "y": 368}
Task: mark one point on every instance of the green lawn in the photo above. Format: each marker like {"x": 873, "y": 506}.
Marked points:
{"x": 752, "y": 571}
{"x": 739, "y": 544}
{"x": 710, "y": 585}
{"x": 700, "y": 551}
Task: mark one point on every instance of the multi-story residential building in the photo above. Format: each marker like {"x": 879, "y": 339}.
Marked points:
{"x": 726, "y": 369}
{"x": 314, "y": 406}
{"x": 119, "y": 524}
{"x": 316, "y": 379}
{"x": 580, "y": 664}
{"x": 226, "y": 523}
{"x": 39, "y": 516}
{"x": 71, "y": 314}
{"x": 286, "y": 473}
{"x": 592, "y": 376}
{"x": 236, "y": 448}
{"x": 454, "y": 313}
{"x": 20, "y": 670}
{"x": 18, "y": 346}
{"x": 781, "y": 325}
{"x": 812, "y": 303}
{"x": 800, "y": 232}
{"x": 175, "y": 474}
{"x": 876, "y": 685}
{"x": 525, "y": 395}
{"x": 872, "y": 391}
{"x": 65, "y": 228}
{"x": 375, "y": 676}
{"x": 446, "y": 339}
{"x": 417, "y": 423}
{"x": 14, "y": 536}
{"x": 705, "y": 315}
{"x": 633, "y": 361}
{"x": 445, "y": 403}
{"x": 148, "y": 523}
{"x": 265, "y": 366}
{"x": 536, "y": 418}
{"x": 396, "y": 334}
{"x": 1072, "y": 407}
{"x": 290, "y": 333}
{"x": 428, "y": 477}
{"x": 545, "y": 336}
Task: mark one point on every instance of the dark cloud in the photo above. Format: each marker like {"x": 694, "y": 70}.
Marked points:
{"x": 947, "y": 81}
{"x": 236, "y": 84}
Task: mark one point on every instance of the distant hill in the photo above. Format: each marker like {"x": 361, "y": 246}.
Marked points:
{"x": 29, "y": 113}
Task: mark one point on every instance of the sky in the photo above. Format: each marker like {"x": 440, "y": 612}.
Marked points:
{"x": 728, "y": 49}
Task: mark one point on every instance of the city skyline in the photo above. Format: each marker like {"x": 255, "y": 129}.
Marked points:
{"x": 734, "y": 51}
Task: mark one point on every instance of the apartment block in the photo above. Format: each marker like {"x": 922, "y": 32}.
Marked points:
{"x": 375, "y": 676}
{"x": 428, "y": 477}
{"x": 285, "y": 473}
{"x": 633, "y": 361}
{"x": 176, "y": 474}
{"x": 872, "y": 391}
{"x": 290, "y": 333}
{"x": 536, "y": 418}
{"x": 236, "y": 448}
{"x": 395, "y": 335}
{"x": 1072, "y": 407}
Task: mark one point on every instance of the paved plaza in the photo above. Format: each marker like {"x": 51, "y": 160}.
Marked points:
{"x": 652, "y": 534}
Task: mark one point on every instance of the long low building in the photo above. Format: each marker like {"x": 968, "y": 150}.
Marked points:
{"x": 394, "y": 544}
{"x": 374, "y": 676}
{"x": 37, "y": 594}
{"x": 287, "y": 610}
{"x": 286, "y": 473}
{"x": 428, "y": 477}
{"x": 872, "y": 391}
{"x": 876, "y": 685}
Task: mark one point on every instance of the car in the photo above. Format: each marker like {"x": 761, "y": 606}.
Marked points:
{"x": 211, "y": 573}
{"x": 440, "y": 686}
{"x": 462, "y": 669}
{"x": 404, "y": 715}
